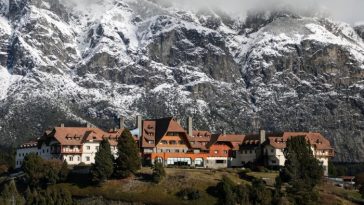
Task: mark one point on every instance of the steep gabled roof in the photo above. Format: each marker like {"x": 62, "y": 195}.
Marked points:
{"x": 155, "y": 129}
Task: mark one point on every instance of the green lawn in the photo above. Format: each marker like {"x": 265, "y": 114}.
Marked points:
{"x": 139, "y": 190}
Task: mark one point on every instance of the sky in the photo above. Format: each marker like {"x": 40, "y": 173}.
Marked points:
{"x": 350, "y": 11}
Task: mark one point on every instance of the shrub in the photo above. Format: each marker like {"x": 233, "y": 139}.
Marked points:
{"x": 158, "y": 172}
{"x": 189, "y": 193}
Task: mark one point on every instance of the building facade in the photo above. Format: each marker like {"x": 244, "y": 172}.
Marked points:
{"x": 166, "y": 141}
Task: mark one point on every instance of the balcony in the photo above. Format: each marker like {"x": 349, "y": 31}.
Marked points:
{"x": 65, "y": 151}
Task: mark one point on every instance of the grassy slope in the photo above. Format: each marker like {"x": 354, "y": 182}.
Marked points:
{"x": 137, "y": 190}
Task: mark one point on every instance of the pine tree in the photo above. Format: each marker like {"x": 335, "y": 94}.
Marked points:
{"x": 128, "y": 160}
{"x": 302, "y": 171}
{"x": 10, "y": 195}
{"x": 103, "y": 167}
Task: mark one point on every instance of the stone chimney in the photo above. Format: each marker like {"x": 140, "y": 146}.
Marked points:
{"x": 121, "y": 122}
{"x": 189, "y": 126}
{"x": 139, "y": 124}
{"x": 262, "y": 136}
{"x": 88, "y": 125}
{"x": 62, "y": 124}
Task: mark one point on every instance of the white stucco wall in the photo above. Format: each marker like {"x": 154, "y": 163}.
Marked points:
{"x": 89, "y": 150}
{"x": 21, "y": 153}
{"x": 211, "y": 162}
{"x": 275, "y": 156}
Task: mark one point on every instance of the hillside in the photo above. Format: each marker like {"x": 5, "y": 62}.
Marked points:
{"x": 77, "y": 61}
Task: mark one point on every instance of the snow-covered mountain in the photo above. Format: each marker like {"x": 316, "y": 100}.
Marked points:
{"x": 91, "y": 60}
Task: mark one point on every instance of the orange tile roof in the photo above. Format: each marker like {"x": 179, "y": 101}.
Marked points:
{"x": 234, "y": 140}
{"x": 79, "y": 135}
{"x": 315, "y": 139}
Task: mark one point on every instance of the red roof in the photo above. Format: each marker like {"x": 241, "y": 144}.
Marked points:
{"x": 315, "y": 139}
{"x": 234, "y": 140}
{"x": 79, "y": 135}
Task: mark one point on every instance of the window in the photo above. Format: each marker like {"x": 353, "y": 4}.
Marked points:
{"x": 177, "y": 150}
{"x": 70, "y": 159}
{"x": 172, "y": 142}
{"x": 192, "y": 143}
{"x": 150, "y": 142}
{"x": 47, "y": 150}
{"x": 216, "y": 151}
{"x": 87, "y": 158}
{"x": 220, "y": 161}
{"x": 172, "y": 134}
{"x": 88, "y": 147}
{"x": 245, "y": 151}
{"x": 181, "y": 142}
{"x": 250, "y": 151}
{"x": 225, "y": 151}
{"x": 78, "y": 158}
{"x": 43, "y": 150}
{"x": 164, "y": 142}
{"x": 167, "y": 150}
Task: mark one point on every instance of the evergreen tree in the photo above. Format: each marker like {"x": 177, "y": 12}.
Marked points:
{"x": 33, "y": 167}
{"x": 128, "y": 160}
{"x": 63, "y": 173}
{"x": 225, "y": 190}
{"x": 10, "y": 195}
{"x": 260, "y": 194}
{"x": 103, "y": 167}
{"x": 302, "y": 171}
{"x": 158, "y": 172}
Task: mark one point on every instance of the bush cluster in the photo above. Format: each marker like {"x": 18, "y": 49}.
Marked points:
{"x": 189, "y": 193}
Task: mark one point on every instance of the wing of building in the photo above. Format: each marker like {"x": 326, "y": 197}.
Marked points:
{"x": 166, "y": 141}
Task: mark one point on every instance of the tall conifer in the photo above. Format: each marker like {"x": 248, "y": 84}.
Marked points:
{"x": 128, "y": 160}
{"x": 103, "y": 167}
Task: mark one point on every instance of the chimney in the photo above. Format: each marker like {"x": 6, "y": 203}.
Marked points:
{"x": 121, "y": 122}
{"x": 189, "y": 126}
{"x": 262, "y": 136}
{"x": 223, "y": 131}
{"x": 62, "y": 124}
{"x": 88, "y": 125}
{"x": 179, "y": 121}
{"x": 139, "y": 121}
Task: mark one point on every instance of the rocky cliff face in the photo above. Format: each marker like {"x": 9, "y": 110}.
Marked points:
{"x": 77, "y": 61}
